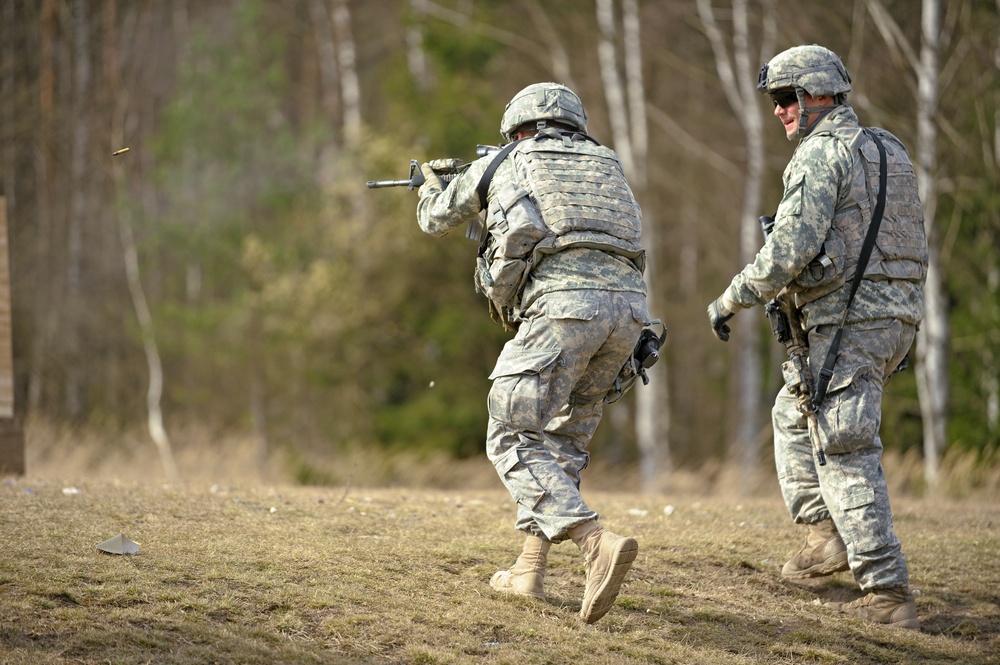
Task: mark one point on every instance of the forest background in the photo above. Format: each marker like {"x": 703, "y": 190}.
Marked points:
{"x": 230, "y": 289}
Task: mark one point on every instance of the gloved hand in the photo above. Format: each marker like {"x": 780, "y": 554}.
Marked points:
{"x": 446, "y": 164}
{"x": 432, "y": 183}
{"x": 718, "y": 314}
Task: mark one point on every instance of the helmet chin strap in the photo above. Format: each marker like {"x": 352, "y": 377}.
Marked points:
{"x": 806, "y": 111}
{"x": 803, "y": 112}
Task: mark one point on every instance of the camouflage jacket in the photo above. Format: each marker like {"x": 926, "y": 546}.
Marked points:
{"x": 825, "y": 187}
{"x": 574, "y": 268}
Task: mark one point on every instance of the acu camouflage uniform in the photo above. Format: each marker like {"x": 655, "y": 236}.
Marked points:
{"x": 578, "y": 301}
{"x": 830, "y": 185}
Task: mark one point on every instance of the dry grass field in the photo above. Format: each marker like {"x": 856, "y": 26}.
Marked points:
{"x": 256, "y": 571}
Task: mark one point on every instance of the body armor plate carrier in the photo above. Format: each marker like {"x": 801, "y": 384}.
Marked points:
{"x": 900, "y": 248}
{"x": 570, "y": 192}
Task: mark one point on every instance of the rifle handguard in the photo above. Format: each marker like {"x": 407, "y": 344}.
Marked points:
{"x": 416, "y": 178}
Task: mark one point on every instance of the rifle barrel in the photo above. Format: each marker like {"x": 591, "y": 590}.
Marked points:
{"x": 374, "y": 184}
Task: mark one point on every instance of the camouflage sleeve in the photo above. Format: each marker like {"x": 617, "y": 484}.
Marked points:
{"x": 813, "y": 180}
{"x": 456, "y": 204}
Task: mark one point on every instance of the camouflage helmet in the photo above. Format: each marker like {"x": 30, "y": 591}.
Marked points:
{"x": 815, "y": 69}
{"x": 543, "y": 101}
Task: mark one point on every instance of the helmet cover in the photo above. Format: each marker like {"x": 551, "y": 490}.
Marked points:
{"x": 817, "y": 70}
{"x": 543, "y": 101}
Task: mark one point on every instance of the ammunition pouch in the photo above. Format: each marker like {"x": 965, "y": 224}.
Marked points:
{"x": 505, "y": 257}
{"x": 796, "y": 374}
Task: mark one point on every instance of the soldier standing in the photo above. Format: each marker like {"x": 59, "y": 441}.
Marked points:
{"x": 832, "y": 188}
{"x": 561, "y": 263}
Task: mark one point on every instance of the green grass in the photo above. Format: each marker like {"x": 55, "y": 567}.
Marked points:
{"x": 259, "y": 574}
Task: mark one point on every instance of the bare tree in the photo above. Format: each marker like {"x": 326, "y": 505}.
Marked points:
{"x": 992, "y": 379}
{"x": 154, "y": 390}
{"x": 557, "y": 62}
{"x": 337, "y": 57}
{"x": 614, "y": 91}
{"x": 558, "y": 57}
{"x": 737, "y": 71}
{"x": 325, "y": 54}
{"x": 416, "y": 59}
{"x": 635, "y": 89}
{"x": 629, "y": 129}
{"x": 74, "y": 383}
{"x": 44, "y": 316}
{"x": 350, "y": 89}
{"x": 932, "y": 338}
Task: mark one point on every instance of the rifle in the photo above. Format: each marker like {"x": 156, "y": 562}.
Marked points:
{"x": 786, "y": 326}
{"x": 448, "y": 171}
{"x": 446, "y": 174}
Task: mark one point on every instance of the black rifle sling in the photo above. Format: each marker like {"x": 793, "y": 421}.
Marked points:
{"x": 484, "y": 182}
{"x": 483, "y": 189}
{"x": 826, "y": 373}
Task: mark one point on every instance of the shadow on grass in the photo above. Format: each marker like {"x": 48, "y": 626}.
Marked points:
{"x": 945, "y": 613}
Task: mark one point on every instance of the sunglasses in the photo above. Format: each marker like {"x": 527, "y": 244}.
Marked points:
{"x": 784, "y": 98}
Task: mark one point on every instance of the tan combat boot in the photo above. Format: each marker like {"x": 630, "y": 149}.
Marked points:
{"x": 525, "y": 577}
{"x": 823, "y": 554}
{"x": 894, "y": 607}
{"x": 608, "y": 558}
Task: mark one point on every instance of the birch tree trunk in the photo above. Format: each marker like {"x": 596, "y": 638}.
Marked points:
{"x": 350, "y": 89}
{"x": 629, "y": 129}
{"x": 652, "y": 402}
{"x": 154, "y": 390}
{"x": 738, "y": 75}
{"x": 416, "y": 59}
{"x": 932, "y": 338}
{"x": 325, "y": 55}
{"x": 635, "y": 91}
{"x": 614, "y": 92}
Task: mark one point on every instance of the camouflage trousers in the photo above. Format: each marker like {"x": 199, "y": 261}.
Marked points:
{"x": 547, "y": 400}
{"x": 851, "y": 488}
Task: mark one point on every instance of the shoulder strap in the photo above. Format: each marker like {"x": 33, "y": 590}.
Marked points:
{"x": 484, "y": 182}
{"x": 826, "y": 373}
{"x": 477, "y": 226}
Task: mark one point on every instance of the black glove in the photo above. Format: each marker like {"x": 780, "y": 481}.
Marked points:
{"x": 717, "y": 316}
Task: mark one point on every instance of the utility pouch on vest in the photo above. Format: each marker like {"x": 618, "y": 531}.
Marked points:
{"x": 821, "y": 270}
{"x": 515, "y": 227}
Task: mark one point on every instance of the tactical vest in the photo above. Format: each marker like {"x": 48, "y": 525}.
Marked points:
{"x": 900, "y": 250}
{"x": 573, "y": 193}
